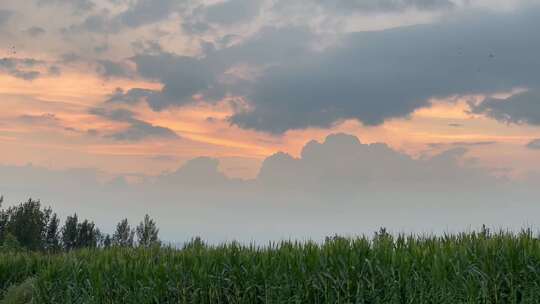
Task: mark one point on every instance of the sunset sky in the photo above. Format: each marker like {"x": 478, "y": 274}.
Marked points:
{"x": 133, "y": 90}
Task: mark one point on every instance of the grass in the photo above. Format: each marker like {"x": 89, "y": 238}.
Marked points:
{"x": 463, "y": 268}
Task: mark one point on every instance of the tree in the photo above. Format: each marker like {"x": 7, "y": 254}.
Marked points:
{"x": 70, "y": 232}
{"x": 52, "y": 237}
{"x": 10, "y": 243}
{"x": 123, "y": 236}
{"x": 87, "y": 236}
{"x": 3, "y": 221}
{"x": 147, "y": 233}
{"x": 107, "y": 241}
{"x": 27, "y": 222}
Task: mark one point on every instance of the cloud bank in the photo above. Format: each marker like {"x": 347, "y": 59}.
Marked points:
{"x": 368, "y": 76}
{"x": 337, "y": 186}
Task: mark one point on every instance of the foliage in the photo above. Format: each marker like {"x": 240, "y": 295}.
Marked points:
{"x": 123, "y": 236}
{"x": 52, "y": 237}
{"x": 147, "y": 233}
{"x": 20, "y": 294}
{"x": 483, "y": 267}
{"x": 10, "y": 243}
{"x": 27, "y": 222}
{"x": 70, "y": 232}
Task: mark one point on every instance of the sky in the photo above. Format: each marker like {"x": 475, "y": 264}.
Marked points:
{"x": 268, "y": 119}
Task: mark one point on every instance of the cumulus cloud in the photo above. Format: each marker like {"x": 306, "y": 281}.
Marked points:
{"x": 343, "y": 161}
{"x": 534, "y": 144}
{"x": 136, "y": 130}
{"x": 518, "y": 109}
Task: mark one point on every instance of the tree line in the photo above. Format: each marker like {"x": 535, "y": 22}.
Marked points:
{"x": 31, "y": 226}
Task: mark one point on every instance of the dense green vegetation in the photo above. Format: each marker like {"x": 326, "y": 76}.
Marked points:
{"x": 476, "y": 267}
{"x": 465, "y": 268}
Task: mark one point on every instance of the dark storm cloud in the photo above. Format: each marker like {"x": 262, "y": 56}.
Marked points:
{"x": 374, "y": 76}
{"x": 367, "y": 76}
{"x": 523, "y": 108}
{"x": 182, "y": 77}
{"x": 137, "y": 129}
{"x": 534, "y": 144}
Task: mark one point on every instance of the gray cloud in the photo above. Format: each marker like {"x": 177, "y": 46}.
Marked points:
{"x": 109, "y": 68}
{"x": 185, "y": 76}
{"x": 46, "y": 119}
{"x": 5, "y": 15}
{"x": 20, "y": 67}
{"x": 374, "y": 76}
{"x": 136, "y": 130}
{"x": 54, "y": 70}
{"x": 232, "y": 11}
{"x": 35, "y": 31}
{"x": 519, "y": 109}
{"x": 383, "y": 6}
{"x": 182, "y": 77}
{"x": 99, "y": 23}
{"x": 224, "y": 13}
{"x": 368, "y": 76}
{"x": 534, "y": 144}
{"x": 132, "y": 96}
{"x": 143, "y": 12}
{"x": 78, "y": 5}
{"x": 139, "y": 130}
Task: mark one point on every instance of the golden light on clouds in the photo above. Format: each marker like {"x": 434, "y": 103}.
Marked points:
{"x": 63, "y": 129}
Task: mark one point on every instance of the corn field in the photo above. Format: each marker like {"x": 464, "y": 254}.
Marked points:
{"x": 463, "y": 268}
